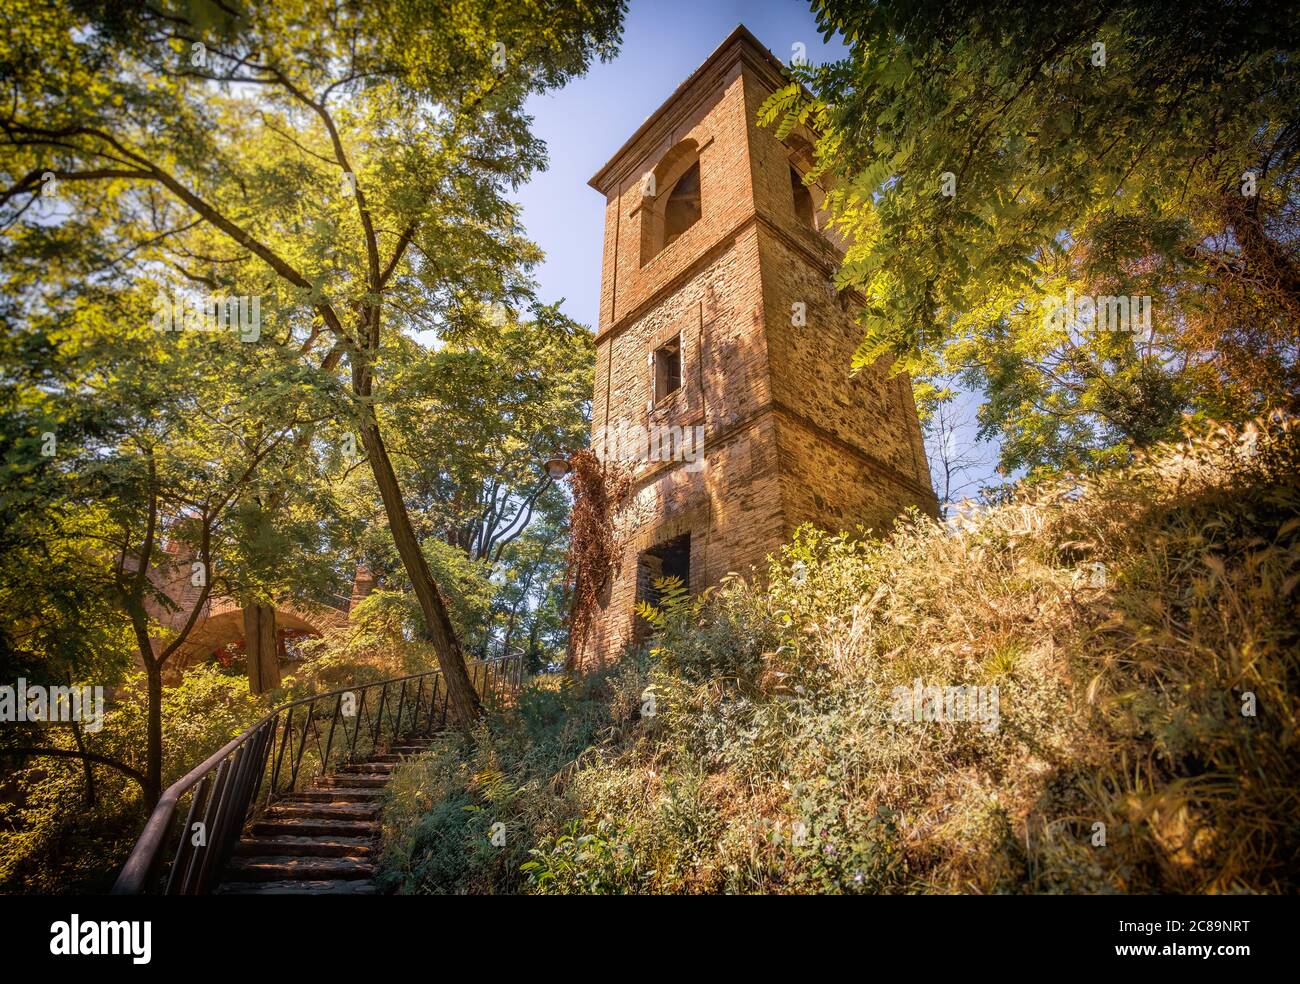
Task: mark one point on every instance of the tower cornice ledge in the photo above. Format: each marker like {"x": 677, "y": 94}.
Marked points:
{"x": 814, "y": 248}
{"x": 740, "y": 44}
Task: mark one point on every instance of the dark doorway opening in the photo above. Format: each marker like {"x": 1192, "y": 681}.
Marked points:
{"x": 669, "y": 559}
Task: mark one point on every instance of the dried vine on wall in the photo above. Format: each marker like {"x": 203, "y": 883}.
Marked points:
{"x": 599, "y": 489}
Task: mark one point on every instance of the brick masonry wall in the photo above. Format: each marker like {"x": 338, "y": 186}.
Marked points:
{"x": 789, "y": 437}
{"x": 732, "y": 509}
{"x": 714, "y": 117}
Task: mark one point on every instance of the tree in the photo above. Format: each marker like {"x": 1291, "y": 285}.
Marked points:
{"x": 314, "y": 156}
{"x": 472, "y": 422}
{"x": 154, "y": 441}
{"x": 531, "y": 603}
{"x": 1005, "y": 179}
{"x": 954, "y": 465}
{"x": 477, "y": 419}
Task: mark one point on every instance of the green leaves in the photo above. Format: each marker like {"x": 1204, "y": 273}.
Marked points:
{"x": 352, "y": 179}
{"x": 781, "y": 103}
{"x": 986, "y": 161}
{"x": 674, "y": 597}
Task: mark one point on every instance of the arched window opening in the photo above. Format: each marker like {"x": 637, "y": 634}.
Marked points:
{"x": 804, "y": 209}
{"x": 672, "y": 201}
{"x": 683, "y": 208}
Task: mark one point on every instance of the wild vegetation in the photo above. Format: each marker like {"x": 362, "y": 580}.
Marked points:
{"x": 1139, "y": 626}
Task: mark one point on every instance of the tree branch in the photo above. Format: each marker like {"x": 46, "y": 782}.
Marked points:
{"x": 126, "y": 770}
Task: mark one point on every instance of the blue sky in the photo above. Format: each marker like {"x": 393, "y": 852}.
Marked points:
{"x": 584, "y": 123}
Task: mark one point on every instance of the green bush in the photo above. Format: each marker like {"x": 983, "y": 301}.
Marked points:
{"x": 54, "y": 838}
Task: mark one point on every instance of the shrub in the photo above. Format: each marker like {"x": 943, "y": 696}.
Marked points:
{"x": 54, "y": 838}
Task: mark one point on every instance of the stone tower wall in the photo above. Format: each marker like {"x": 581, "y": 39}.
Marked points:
{"x": 788, "y": 437}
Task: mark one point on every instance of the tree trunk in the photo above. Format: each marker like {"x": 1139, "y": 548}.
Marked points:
{"x": 535, "y": 630}
{"x": 510, "y": 630}
{"x": 154, "y": 749}
{"x": 514, "y": 609}
{"x": 260, "y": 645}
{"x": 86, "y": 765}
{"x": 461, "y": 696}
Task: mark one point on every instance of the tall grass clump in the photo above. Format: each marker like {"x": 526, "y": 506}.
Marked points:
{"x": 1133, "y": 639}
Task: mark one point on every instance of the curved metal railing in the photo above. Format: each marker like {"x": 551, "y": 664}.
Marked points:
{"x": 293, "y": 745}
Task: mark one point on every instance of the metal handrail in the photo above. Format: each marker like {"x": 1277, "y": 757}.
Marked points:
{"x": 224, "y": 788}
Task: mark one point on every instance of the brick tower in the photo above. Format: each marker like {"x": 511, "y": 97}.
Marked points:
{"x": 722, "y": 341}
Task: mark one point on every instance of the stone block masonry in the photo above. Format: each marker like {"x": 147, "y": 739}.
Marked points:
{"x": 739, "y": 289}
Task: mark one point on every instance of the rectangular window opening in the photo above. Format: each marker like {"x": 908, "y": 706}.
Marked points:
{"x": 668, "y": 368}
{"x": 803, "y": 201}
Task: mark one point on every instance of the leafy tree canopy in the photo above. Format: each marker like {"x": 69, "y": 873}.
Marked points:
{"x": 346, "y": 164}
{"x": 993, "y": 161}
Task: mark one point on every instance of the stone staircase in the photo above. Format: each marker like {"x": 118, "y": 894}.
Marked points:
{"x": 321, "y": 840}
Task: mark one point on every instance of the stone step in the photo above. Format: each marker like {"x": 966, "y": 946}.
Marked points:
{"x": 306, "y": 846}
{"x": 360, "y": 886}
{"x": 323, "y": 811}
{"x": 320, "y": 840}
{"x": 284, "y": 867}
{"x": 315, "y": 828}
{"x": 341, "y": 794}
{"x": 355, "y": 780}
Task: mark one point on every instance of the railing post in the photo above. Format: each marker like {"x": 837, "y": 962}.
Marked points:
{"x": 334, "y": 720}
{"x": 419, "y": 696}
{"x": 268, "y": 742}
{"x": 302, "y": 747}
{"x": 379, "y": 718}
{"x": 184, "y": 859}
{"x": 356, "y": 727}
{"x": 285, "y": 736}
{"x": 232, "y": 823}
{"x": 433, "y": 703}
{"x": 401, "y": 705}
{"x": 211, "y": 821}
{"x": 230, "y": 820}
